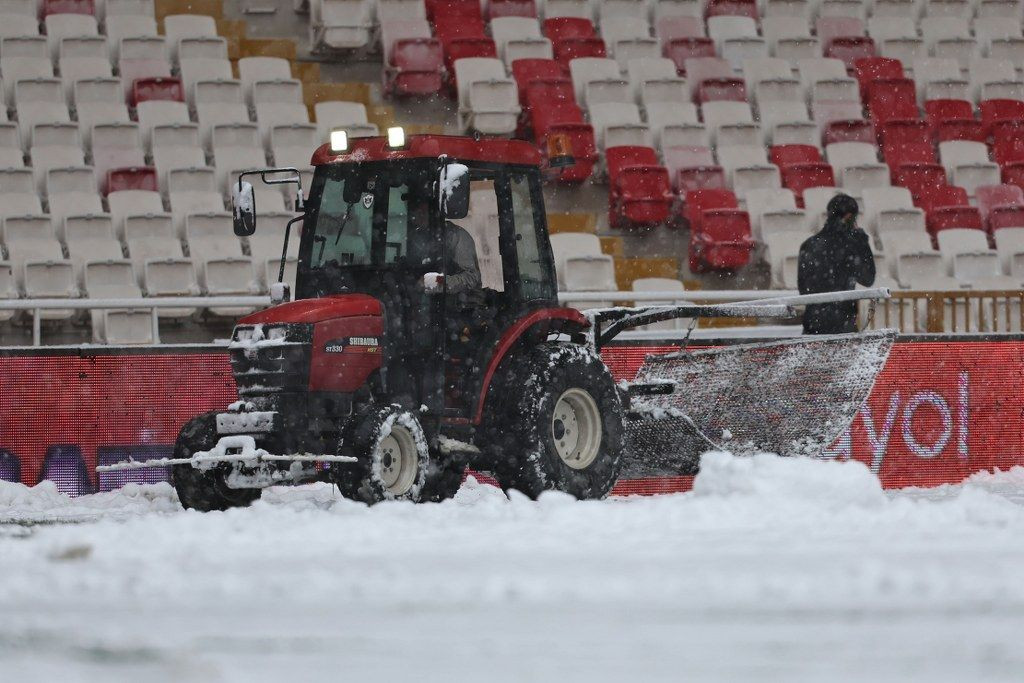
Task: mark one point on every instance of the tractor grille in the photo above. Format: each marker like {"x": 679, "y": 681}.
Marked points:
{"x": 271, "y": 359}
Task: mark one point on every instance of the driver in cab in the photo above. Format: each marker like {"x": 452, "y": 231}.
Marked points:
{"x": 461, "y": 274}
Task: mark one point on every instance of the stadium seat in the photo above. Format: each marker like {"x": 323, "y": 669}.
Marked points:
{"x": 1001, "y": 206}
{"x": 641, "y": 193}
{"x": 143, "y": 57}
{"x": 799, "y": 177}
{"x": 891, "y": 210}
{"x": 339, "y": 24}
{"x": 939, "y": 78}
{"x": 88, "y": 238}
{"x": 712, "y": 79}
{"x": 572, "y": 38}
{"x": 192, "y": 190}
{"x": 617, "y": 124}
{"x": 488, "y": 102}
{"x": 693, "y": 168}
{"x": 719, "y": 232}
{"x": 871, "y": 69}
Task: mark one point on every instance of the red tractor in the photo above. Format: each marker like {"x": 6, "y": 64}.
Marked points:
{"x": 396, "y": 366}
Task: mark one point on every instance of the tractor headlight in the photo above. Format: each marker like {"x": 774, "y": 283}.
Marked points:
{"x": 275, "y": 333}
{"x": 396, "y": 137}
{"x": 339, "y": 141}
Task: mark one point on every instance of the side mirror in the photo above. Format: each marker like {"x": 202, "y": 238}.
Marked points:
{"x": 243, "y": 201}
{"x": 453, "y": 191}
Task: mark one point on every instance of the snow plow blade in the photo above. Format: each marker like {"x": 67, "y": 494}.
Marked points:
{"x": 790, "y": 397}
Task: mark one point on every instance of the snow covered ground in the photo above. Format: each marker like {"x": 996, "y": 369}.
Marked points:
{"x": 771, "y": 569}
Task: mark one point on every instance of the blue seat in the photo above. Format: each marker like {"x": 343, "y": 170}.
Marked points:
{"x": 108, "y": 455}
{"x": 65, "y": 466}
{"x": 10, "y": 466}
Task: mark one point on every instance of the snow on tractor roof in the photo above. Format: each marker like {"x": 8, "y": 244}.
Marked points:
{"x": 432, "y": 146}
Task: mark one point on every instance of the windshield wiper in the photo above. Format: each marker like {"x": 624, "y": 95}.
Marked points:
{"x": 344, "y": 222}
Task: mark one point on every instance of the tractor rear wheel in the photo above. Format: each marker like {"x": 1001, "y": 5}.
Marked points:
{"x": 556, "y": 422}
{"x": 393, "y": 460}
{"x": 204, "y": 490}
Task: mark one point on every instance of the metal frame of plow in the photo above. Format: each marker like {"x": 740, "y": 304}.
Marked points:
{"x": 623, "y": 319}
{"x": 790, "y": 397}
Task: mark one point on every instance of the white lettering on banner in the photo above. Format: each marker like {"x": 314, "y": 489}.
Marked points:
{"x": 916, "y": 447}
{"x": 879, "y": 445}
{"x": 962, "y": 398}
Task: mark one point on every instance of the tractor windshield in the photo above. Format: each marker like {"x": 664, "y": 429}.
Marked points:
{"x": 363, "y": 221}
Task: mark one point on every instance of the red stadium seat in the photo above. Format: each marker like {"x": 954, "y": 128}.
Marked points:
{"x": 511, "y": 8}
{"x": 693, "y": 168}
{"x": 463, "y": 37}
{"x": 949, "y": 217}
{"x": 901, "y": 154}
{"x": 850, "y": 48}
{"x": 1006, "y": 217}
{"x": 526, "y": 71}
{"x": 681, "y": 49}
{"x": 573, "y": 37}
{"x": 1008, "y": 142}
{"x": 903, "y": 132}
{"x": 160, "y": 88}
{"x": 134, "y": 178}
{"x": 737, "y": 8}
{"x": 1001, "y": 206}
{"x": 698, "y": 201}
{"x": 641, "y": 194}
{"x": 870, "y": 69}
{"x": 939, "y": 112}
{"x": 890, "y": 99}
{"x": 1013, "y": 174}
{"x": 548, "y": 102}
{"x": 850, "y": 130}
{"x": 574, "y": 48}
{"x": 961, "y": 129}
{"x": 467, "y": 47}
{"x": 560, "y": 28}
{"x": 799, "y": 177}
{"x": 994, "y": 111}
{"x": 67, "y": 7}
{"x": 415, "y": 67}
{"x": 920, "y": 178}
{"x": 719, "y": 232}
{"x": 942, "y": 196}
{"x": 447, "y": 10}
{"x": 783, "y": 155}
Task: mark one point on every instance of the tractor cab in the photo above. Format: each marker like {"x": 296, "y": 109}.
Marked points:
{"x": 448, "y": 234}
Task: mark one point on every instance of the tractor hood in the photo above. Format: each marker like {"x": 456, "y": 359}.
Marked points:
{"x": 316, "y": 310}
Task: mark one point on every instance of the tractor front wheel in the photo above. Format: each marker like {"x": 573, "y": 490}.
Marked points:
{"x": 204, "y": 490}
{"x": 393, "y": 460}
{"x": 556, "y": 422}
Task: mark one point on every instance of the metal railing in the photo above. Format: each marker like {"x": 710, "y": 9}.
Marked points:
{"x": 963, "y": 311}
{"x": 153, "y": 305}
{"x": 951, "y": 312}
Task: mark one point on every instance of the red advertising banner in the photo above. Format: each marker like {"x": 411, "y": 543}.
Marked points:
{"x": 939, "y": 412}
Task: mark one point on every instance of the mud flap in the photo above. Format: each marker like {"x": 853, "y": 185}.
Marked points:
{"x": 791, "y": 397}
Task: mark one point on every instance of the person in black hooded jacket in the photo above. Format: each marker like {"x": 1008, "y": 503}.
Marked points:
{"x": 835, "y": 259}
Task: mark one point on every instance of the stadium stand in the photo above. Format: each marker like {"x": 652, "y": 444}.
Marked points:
{"x": 727, "y": 123}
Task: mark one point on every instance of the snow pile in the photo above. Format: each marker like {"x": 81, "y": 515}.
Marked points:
{"x": 44, "y": 503}
{"x": 789, "y": 481}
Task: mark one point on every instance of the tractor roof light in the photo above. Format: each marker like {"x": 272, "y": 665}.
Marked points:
{"x": 339, "y": 141}
{"x": 396, "y": 137}
{"x": 559, "y": 149}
